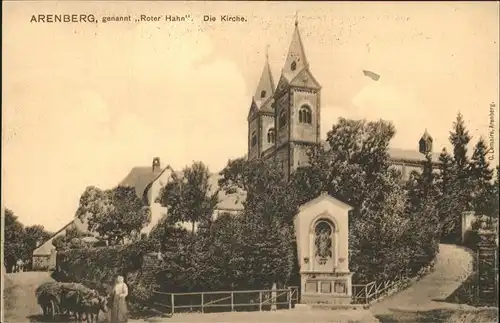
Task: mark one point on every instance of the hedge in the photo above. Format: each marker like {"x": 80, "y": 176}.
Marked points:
{"x": 98, "y": 268}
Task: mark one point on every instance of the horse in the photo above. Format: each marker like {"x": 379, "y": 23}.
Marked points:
{"x": 94, "y": 306}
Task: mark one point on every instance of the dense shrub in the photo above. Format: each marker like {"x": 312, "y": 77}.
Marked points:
{"x": 472, "y": 236}
{"x": 98, "y": 267}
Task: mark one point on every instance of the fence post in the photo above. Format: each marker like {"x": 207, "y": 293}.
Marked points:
{"x": 172, "y": 299}
{"x": 202, "y": 302}
{"x": 260, "y": 301}
{"x": 289, "y": 294}
{"x": 366, "y": 294}
{"x": 232, "y": 302}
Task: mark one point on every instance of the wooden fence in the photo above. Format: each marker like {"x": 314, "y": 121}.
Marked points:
{"x": 244, "y": 300}
{"x": 263, "y": 300}
{"x": 374, "y": 291}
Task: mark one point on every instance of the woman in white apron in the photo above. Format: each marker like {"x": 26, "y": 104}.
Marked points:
{"x": 119, "y": 312}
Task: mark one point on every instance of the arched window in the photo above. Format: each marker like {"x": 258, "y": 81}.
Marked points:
{"x": 323, "y": 241}
{"x": 254, "y": 138}
{"x": 282, "y": 119}
{"x": 270, "y": 136}
{"x": 262, "y": 94}
{"x": 293, "y": 66}
{"x": 305, "y": 115}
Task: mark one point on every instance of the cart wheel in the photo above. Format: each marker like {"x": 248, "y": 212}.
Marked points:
{"x": 52, "y": 310}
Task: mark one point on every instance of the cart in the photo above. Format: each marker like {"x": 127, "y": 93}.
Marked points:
{"x": 49, "y": 296}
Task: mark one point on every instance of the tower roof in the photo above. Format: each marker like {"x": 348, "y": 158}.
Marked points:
{"x": 426, "y": 135}
{"x": 296, "y": 59}
{"x": 265, "y": 89}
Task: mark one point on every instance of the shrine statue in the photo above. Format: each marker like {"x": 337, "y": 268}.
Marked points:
{"x": 323, "y": 241}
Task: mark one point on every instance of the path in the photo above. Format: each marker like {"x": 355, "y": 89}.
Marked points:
{"x": 280, "y": 316}
{"x": 453, "y": 265}
{"x": 19, "y": 293}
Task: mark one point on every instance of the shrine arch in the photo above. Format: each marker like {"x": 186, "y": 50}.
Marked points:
{"x": 323, "y": 241}
{"x": 325, "y": 216}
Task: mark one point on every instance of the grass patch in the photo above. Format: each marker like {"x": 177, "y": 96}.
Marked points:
{"x": 480, "y": 315}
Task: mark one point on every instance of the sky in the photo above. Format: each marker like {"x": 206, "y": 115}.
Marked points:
{"x": 84, "y": 103}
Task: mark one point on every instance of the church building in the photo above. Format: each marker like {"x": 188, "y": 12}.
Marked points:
{"x": 284, "y": 119}
{"x": 283, "y": 123}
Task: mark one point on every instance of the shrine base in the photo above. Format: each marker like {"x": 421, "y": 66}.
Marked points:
{"x": 326, "y": 288}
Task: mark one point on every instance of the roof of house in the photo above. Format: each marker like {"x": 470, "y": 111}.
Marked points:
{"x": 140, "y": 178}
{"x": 44, "y": 248}
{"x": 402, "y": 154}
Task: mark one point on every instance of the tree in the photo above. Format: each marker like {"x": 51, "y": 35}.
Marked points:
{"x": 428, "y": 179}
{"x": 356, "y": 169}
{"x": 448, "y": 194}
{"x": 227, "y": 253}
{"x": 421, "y": 188}
{"x": 114, "y": 214}
{"x": 446, "y": 175}
{"x": 462, "y": 190}
{"x": 189, "y": 198}
{"x": 14, "y": 239}
{"x": 481, "y": 176}
{"x": 34, "y": 236}
{"x": 488, "y": 202}
{"x": 20, "y": 241}
{"x": 268, "y": 235}
{"x": 460, "y": 138}
{"x": 70, "y": 239}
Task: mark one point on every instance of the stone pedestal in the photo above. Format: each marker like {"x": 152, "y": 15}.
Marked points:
{"x": 322, "y": 228}
{"x": 326, "y": 288}
{"x": 487, "y": 262}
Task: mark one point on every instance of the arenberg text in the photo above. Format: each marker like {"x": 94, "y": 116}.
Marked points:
{"x": 68, "y": 18}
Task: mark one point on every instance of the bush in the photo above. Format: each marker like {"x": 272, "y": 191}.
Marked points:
{"x": 471, "y": 239}
{"x": 98, "y": 267}
{"x": 472, "y": 236}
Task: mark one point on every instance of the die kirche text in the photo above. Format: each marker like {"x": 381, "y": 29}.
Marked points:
{"x": 167, "y": 18}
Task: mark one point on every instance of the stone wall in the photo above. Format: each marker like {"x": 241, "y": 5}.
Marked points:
{"x": 149, "y": 266}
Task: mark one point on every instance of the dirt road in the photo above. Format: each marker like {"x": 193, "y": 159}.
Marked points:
{"x": 19, "y": 293}
{"x": 424, "y": 300}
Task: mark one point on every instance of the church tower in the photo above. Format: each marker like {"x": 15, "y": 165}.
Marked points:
{"x": 261, "y": 134}
{"x": 297, "y": 108}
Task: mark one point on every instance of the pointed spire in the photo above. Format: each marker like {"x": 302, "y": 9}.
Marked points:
{"x": 265, "y": 89}
{"x": 296, "y": 59}
{"x": 425, "y": 143}
{"x": 426, "y": 135}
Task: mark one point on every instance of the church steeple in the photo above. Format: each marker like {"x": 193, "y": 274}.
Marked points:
{"x": 261, "y": 115}
{"x": 296, "y": 59}
{"x": 265, "y": 89}
{"x": 297, "y": 108}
